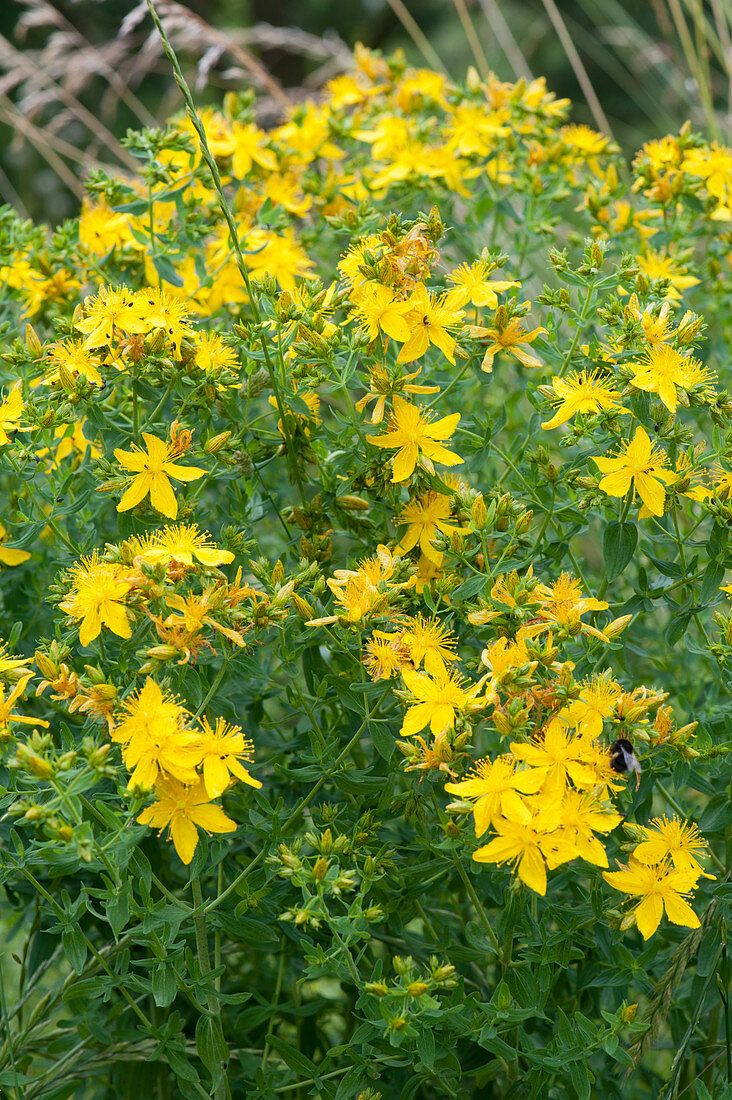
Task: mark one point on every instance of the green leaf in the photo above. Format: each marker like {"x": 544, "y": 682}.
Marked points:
{"x": 74, "y": 946}
{"x": 713, "y": 577}
{"x": 166, "y": 271}
{"x": 118, "y": 909}
{"x": 426, "y": 1048}
{"x": 10, "y": 1079}
{"x": 580, "y": 1079}
{"x": 293, "y": 1058}
{"x": 211, "y": 1045}
{"x": 164, "y": 985}
{"x": 618, "y": 546}
{"x": 180, "y": 1065}
{"x": 469, "y": 588}
{"x": 383, "y": 740}
{"x": 677, "y": 627}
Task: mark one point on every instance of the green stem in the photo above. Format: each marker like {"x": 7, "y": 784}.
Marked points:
{"x": 297, "y": 811}
{"x": 234, "y": 236}
{"x": 204, "y": 963}
{"x": 478, "y": 905}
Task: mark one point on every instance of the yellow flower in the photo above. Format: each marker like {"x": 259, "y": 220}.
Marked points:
{"x": 426, "y": 516}
{"x": 429, "y": 319}
{"x": 473, "y": 285}
{"x": 496, "y": 786}
{"x": 563, "y": 606}
{"x": 430, "y": 641}
{"x": 74, "y": 357}
{"x": 512, "y": 338}
{"x": 195, "y": 614}
{"x": 169, "y": 313}
{"x": 212, "y": 355}
{"x": 584, "y": 144}
{"x": 180, "y": 545}
{"x": 223, "y": 747}
{"x": 154, "y": 739}
{"x": 361, "y": 591}
{"x": 7, "y": 718}
{"x": 383, "y": 385}
{"x": 111, "y": 313}
{"x": 583, "y": 392}
{"x": 532, "y": 846}
{"x": 712, "y": 163}
{"x": 596, "y": 702}
{"x": 663, "y": 369}
{"x": 641, "y": 465}
{"x": 183, "y": 808}
{"x": 9, "y": 555}
{"x": 10, "y": 413}
{"x": 415, "y": 436}
{"x": 385, "y": 655}
{"x": 97, "y": 598}
{"x": 437, "y": 701}
{"x": 671, "y": 838}
{"x": 153, "y": 472}
{"x": 657, "y": 266}
{"x": 101, "y": 229}
{"x": 248, "y": 149}
{"x": 581, "y": 816}
{"x": 559, "y": 757}
{"x": 380, "y": 312}
{"x": 659, "y": 888}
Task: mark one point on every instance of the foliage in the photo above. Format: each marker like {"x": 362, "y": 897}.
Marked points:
{"x": 365, "y": 528}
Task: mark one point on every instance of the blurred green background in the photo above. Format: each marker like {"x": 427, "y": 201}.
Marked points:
{"x": 71, "y": 83}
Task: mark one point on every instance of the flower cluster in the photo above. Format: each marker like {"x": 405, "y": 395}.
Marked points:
{"x": 163, "y": 749}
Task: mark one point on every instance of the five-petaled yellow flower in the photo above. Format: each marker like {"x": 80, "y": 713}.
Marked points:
{"x": 153, "y": 470}
{"x": 183, "y": 808}
{"x": 659, "y": 887}
{"x": 583, "y": 392}
{"x": 415, "y": 437}
{"x": 640, "y": 464}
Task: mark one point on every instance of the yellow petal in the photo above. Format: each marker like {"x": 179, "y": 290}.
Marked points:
{"x": 648, "y": 915}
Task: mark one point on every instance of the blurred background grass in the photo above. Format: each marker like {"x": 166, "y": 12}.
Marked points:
{"x": 75, "y": 74}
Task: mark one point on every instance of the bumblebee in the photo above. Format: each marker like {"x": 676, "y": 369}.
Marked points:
{"x": 623, "y": 759}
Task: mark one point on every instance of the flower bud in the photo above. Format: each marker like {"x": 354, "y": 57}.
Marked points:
{"x": 379, "y": 989}
{"x": 32, "y": 343}
{"x": 156, "y": 343}
{"x": 617, "y": 626}
{"x": 304, "y": 609}
{"x": 214, "y": 445}
{"x": 162, "y": 652}
{"x": 98, "y": 757}
{"x": 320, "y": 869}
{"x": 417, "y": 989}
{"x": 353, "y": 503}
{"x": 31, "y": 762}
{"x": 278, "y": 574}
{"x": 523, "y": 523}
{"x": 479, "y": 513}
{"x": 46, "y": 666}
